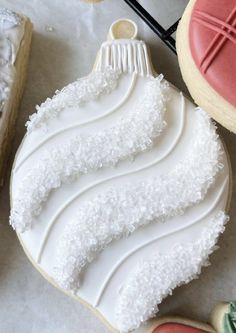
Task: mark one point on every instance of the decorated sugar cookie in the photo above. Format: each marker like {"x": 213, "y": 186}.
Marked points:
{"x": 120, "y": 187}
{"x": 206, "y": 47}
{"x": 15, "y": 38}
{"x": 176, "y": 324}
{"x": 223, "y": 317}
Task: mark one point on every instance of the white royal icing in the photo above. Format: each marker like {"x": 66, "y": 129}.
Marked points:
{"x": 79, "y": 155}
{"x": 11, "y": 34}
{"x": 156, "y": 238}
{"x": 126, "y": 56}
{"x": 156, "y": 277}
{"x": 76, "y": 93}
{"x": 182, "y": 179}
{"x": 9, "y": 19}
{"x": 120, "y": 211}
{"x": 79, "y": 124}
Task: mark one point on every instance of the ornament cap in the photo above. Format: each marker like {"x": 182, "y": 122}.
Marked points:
{"x": 123, "y": 29}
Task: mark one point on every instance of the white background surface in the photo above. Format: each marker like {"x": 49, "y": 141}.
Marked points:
{"x": 28, "y": 303}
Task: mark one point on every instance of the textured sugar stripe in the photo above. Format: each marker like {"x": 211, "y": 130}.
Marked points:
{"x": 156, "y": 277}
{"x": 119, "y": 211}
{"x": 83, "y": 154}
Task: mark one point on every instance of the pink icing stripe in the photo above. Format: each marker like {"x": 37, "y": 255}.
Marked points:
{"x": 212, "y": 39}
{"x": 215, "y": 28}
{"x": 215, "y": 51}
{"x": 214, "y": 42}
{"x": 216, "y": 20}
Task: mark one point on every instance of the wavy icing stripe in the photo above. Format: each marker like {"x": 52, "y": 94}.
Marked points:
{"x": 156, "y": 277}
{"x": 173, "y": 230}
{"x": 81, "y": 91}
{"x": 120, "y": 211}
{"x": 77, "y": 125}
{"x": 116, "y": 57}
{"x": 77, "y": 196}
{"x": 79, "y": 155}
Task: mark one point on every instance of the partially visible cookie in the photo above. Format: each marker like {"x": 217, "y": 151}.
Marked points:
{"x": 15, "y": 39}
{"x": 223, "y": 317}
{"x": 206, "y": 47}
{"x": 92, "y": 1}
{"x": 178, "y": 325}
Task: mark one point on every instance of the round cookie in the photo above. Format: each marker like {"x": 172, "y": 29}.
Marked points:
{"x": 176, "y": 324}
{"x": 120, "y": 186}
{"x": 206, "y": 51}
{"x": 92, "y": 1}
{"x": 223, "y": 317}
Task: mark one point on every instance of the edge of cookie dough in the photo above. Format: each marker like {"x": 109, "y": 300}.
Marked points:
{"x": 75, "y": 297}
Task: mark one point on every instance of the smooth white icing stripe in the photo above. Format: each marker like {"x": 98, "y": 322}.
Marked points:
{"x": 136, "y": 69}
{"x": 124, "y": 59}
{"x": 80, "y": 154}
{"x": 119, "y": 56}
{"x": 77, "y": 195}
{"x": 130, "y": 58}
{"x": 79, "y": 124}
{"x": 125, "y": 55}
{"x": 141, "y": 60}
{"x": 114, "y": 58}
{"x": 147, "y": 62}
{"x": 81, "y": 91}
{"x": 166, "y": 234}
{"x": 119, "y": 211}
{"x": 98, "y": 65}
{"x": 107, "y": 53}
{"x": 155, "y": 277}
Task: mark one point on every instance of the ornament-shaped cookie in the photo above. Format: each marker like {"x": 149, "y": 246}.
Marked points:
{"x": 206, "y": 47}
{"x": 120, "y": 186}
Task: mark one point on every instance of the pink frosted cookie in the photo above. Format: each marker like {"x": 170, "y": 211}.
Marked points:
{"x": 206, "y": 47}
{"x": 222, "y": 319}
{"x": 177, "y": 324}
{"x": 177, "y": 328}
